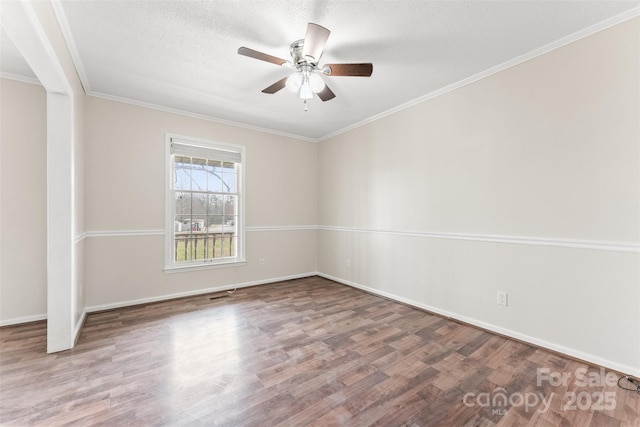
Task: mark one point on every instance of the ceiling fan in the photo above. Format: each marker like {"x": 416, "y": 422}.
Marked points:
{"x": 305, "y": 54}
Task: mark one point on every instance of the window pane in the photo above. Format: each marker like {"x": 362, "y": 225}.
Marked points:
{"x": 229, "y": 223}
{"x": 182, "y": 203}
{"x": 182, "y": 173}
{"x": 216, "y": 204}
{"x": 212, "y": 226}
{"x": 197, "y": 224}
{"x": 199, "y": 204}
{"x": 215, "y": 220}
{"x": 184, "y": 248}
{"x": 214, "y": 170}
{"x": 181, "y": 224}
{"x": 205, "y": 199}
{"x": 229, "y": 177}
{"x": 198, "y": 175}
{"x": 230, "y": 205}
{"x": 218, "y": 246}
{"x": 209, "y": 245}
{"x": 199, "y": 241}
{"x": 227, "y": 248}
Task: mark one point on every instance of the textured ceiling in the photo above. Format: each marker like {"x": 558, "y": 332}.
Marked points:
{"x": 182, "y": 55}
{"x": 11, "y": 62}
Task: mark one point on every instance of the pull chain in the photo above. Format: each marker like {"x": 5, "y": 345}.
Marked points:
{"x": 305, "y": 105}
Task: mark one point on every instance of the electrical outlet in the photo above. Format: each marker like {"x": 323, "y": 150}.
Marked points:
{"x": 502, "y": 298}
{"x": 348, "y": 263}
{"x": 261, "y": 262}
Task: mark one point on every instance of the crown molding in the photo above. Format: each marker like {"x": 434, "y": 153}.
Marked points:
{"x": 82, "y": 75}
{"x": 586, "y": 32}
{"x": 205, "y": 117}
{"x": 19, "y": 78}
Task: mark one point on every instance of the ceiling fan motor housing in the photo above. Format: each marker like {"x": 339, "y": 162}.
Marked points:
{"x": 305, "y": 55}
{"x": 296, "y": 53}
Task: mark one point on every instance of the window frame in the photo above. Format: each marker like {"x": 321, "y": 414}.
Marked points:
{"x": 170, "y": 265}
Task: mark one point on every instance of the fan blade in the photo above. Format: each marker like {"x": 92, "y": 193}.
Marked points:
{"x": 326, "y": 94}
{"x": 355, "y": 70}
{"x": 314, "y": 42}
{"x": 276, "y": 86}
{"x": 261, "y": 56}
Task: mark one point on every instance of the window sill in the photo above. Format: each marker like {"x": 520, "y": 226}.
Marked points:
{"x": 207, "y": 266}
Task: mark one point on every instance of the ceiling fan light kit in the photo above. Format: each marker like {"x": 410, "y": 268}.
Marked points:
{"x": 305, "y": 55}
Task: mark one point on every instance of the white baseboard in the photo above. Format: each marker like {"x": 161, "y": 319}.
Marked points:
{"x": 24, "y": 319}
{"x": 618, "y": 367}
{"x": 621, "y": 368}
{"x": 79, "y": 325}
{"x": 39, "y": 317}
{"x": 119, "y": 304}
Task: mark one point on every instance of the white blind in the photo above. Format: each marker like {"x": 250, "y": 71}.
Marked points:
{"x": 205, "y": 152}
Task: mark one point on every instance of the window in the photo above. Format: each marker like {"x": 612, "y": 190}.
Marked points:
{"x": 204, "y": 203}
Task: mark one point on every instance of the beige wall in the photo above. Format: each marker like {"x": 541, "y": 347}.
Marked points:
{"x": 527, "y": 181}
{"x": 124, "y": 167}
{"x": 23, "y": 202}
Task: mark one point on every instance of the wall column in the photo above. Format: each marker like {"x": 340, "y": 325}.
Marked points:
{"x": 22, "y": 23}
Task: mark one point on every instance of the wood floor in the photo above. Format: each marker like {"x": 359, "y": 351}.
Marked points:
{"x": 297, "y": 353}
